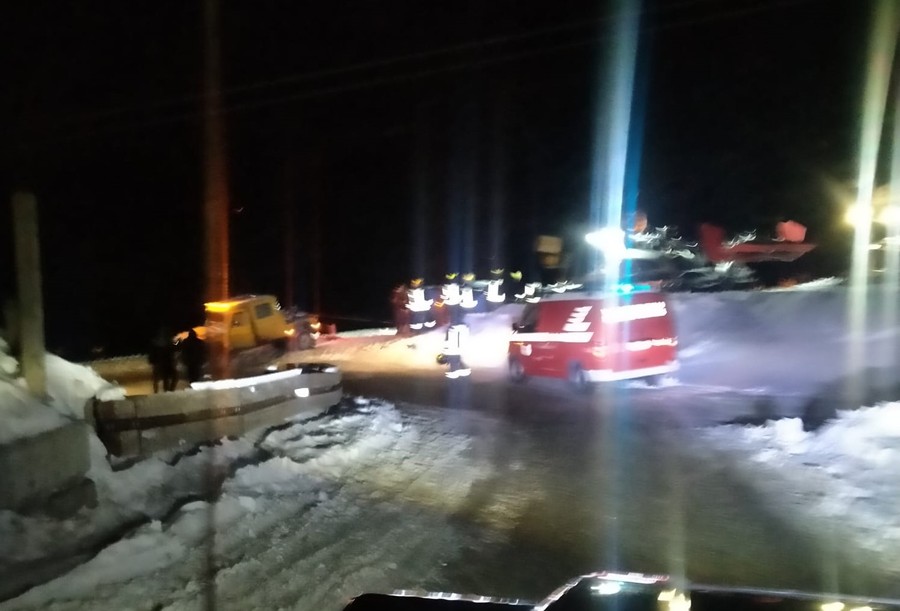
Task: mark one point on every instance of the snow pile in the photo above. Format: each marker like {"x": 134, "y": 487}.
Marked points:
{"x": 22, "y": 416}
{"x": 813, "y": 285}
{"x": 791, "y": 344}
{"x": 843, "y": 476}
{"x": 69, "y": 387}
{"x": 384, "y": 331}
{"x": 314, "y": 514}
{"x": 8, "y": 365}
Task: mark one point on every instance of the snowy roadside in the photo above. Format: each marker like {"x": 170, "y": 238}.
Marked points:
{"x": 69, "y": 387}
{"x": 318, "y": 512}
{"x": 839, "y": 481}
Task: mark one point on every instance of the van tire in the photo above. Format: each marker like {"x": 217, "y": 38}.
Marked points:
{"x": 578, "y": 379}
{"x": 654, "y": 381}
{"x": 517, "y": 371}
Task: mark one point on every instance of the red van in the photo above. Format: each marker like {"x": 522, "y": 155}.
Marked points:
{"x": 592, "y": 337}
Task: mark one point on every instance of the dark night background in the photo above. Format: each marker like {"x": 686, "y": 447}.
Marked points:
{"x": 366, "y": 116}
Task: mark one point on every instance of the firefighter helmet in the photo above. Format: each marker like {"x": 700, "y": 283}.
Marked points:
{"x": 469, "y": 277}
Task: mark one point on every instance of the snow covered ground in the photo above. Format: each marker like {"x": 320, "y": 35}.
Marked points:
{"x": 322, "y": 510}
{"x": 69, "y": 387}
{"x": 841, "y": 479}
{"x": 364, "y": 499}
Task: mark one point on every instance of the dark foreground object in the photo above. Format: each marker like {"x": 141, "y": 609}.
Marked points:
{"x": 626, "y": 592}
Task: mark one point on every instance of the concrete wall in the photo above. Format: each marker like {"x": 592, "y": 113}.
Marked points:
{"x": 34, "y": 468}
{"x": 138, "y": 426}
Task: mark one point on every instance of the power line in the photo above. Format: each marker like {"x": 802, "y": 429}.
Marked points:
{"x": 373, "y": 64}
{"x": 410, "y": 76}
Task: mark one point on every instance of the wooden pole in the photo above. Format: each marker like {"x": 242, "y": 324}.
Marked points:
{"x": 30, "y": 299}
{"x": 289, "y": 249}
{"x": 216, "y": 203}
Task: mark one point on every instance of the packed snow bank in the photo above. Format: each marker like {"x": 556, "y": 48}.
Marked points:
{"x": 322, "y": 510}
{"x": 8, "y": 365}
{"x": 22, "y": 416}
{"x": 793, "y": 344}
{"x": 842, "y": 478}
{"x": 69, "y": 387}
{"x": 813, "y": 285}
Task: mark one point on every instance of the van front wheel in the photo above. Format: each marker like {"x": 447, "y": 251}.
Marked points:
{"x": 654, "y": 380}
{"x": 578, "y": 379}
{"x": 516, "y": 371}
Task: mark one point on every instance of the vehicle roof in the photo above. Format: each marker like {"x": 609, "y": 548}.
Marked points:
{"x": 230, "y": 302}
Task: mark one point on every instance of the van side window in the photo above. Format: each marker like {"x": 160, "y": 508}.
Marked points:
{"x": 263, "y": 310}
{"x": 528, "y": 322}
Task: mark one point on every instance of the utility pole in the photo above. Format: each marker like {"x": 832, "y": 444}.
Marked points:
{"x": 215, "y": 217}
{"x": 215, "y": 204}
{"x": 313, "y": 176}
{"x": 289, "y": 250}
{"x": 31, "y": 304}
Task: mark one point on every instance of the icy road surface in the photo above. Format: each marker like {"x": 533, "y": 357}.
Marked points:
{"x": 379, "y": 497}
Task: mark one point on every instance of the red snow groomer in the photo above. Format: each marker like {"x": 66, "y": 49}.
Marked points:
{"x": 787, "y": 246}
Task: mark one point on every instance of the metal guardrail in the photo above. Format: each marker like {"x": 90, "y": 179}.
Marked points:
{"x": 141, "y": 425}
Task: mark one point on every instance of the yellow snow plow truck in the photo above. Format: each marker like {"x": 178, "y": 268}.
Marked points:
{"x": 247, "y": 333}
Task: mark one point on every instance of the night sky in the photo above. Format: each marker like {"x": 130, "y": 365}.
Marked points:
{"x": 474, "y": 120}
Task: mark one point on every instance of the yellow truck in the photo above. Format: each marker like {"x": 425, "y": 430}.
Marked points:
{"x": 249, "y": 331}
{"x": 247, "y": 321}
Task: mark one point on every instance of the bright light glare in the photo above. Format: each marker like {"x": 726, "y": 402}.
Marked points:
{"x": 833, "y": 606}
{"x": 882, "y": 43}
{"x": 301, "y": 392}
{"x": 857, "y": 215}
{"x": 677, "y": 600}
{"x": 610, "y": 241}
{"x": 607, "y": 588}
{"x": 889, "y": 215}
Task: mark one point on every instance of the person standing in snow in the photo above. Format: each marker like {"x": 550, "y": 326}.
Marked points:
{"x": 455, "y": 339}
{"x": 162, "y": 362}
{"x": 494, "y": 295}
{"x": 193, "y": 355}
{"x": 399, "y": 299}
{"x": 418, "y": 306}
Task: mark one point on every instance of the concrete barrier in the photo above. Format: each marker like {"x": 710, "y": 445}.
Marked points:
{"x": 141, "y": 425}
{"x": 34, "y": 468}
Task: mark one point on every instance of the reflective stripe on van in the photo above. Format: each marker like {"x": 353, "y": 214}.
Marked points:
{"x": 569, "y": 338}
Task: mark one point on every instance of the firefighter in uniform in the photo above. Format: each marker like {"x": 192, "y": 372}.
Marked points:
{"x": 530, "y": 293}
{"x": 418, "y": 306}
{"x": 467, "y": 293}
{"x": 495, "y": 297}
{"x": 458, "y": 299}
{"x": 516, "y": 285}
